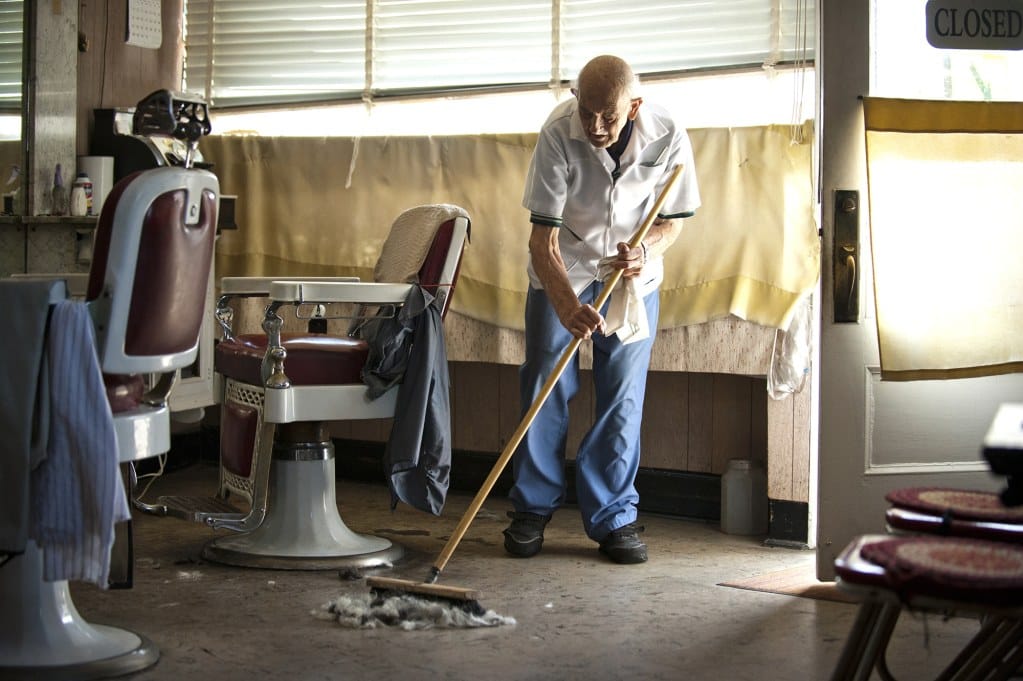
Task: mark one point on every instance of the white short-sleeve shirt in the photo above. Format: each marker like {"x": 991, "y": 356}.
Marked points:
{"x": 570, "y": 185}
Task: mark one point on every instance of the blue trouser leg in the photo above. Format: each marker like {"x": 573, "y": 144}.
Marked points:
{"x": 608, "y": 457}
{"x": 539, "y": 461}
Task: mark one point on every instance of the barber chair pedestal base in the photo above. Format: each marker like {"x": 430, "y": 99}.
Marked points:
{"x": 303, "y": 529}
{"x": 43, "y": 637}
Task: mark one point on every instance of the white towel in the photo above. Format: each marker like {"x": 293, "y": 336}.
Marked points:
{"x": 409, "y": 240}
{"x": 626, "y": 313}
{"x": 77, "y": 493}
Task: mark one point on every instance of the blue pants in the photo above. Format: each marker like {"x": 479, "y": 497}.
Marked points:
{"x": 608, "y": 456}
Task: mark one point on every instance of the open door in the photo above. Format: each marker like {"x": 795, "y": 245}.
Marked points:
{"x": 877, "y": 435}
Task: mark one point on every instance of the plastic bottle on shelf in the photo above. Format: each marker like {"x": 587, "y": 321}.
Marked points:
{"x": 58, "y": 195}
{"x": 81, "y": 195}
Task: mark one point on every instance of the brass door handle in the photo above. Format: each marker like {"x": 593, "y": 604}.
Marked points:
{"x": 845, "y": 273}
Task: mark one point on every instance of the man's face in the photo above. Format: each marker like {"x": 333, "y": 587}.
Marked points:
{"x": 603, "y": 115}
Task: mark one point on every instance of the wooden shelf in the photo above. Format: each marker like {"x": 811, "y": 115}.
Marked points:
{"x": 88, "y": 221}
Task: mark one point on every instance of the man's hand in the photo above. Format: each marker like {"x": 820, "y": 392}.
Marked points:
{"x": 582, "y": 320}
{"x": 662, "y": 234}
{"x": 629, "y": 260}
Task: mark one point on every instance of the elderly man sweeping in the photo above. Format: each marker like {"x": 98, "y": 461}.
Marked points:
{"x": 600, "y": 161}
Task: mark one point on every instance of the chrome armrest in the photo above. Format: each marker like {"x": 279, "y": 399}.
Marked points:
{"x": 316, "y": 292}
{"x": 254, "y": 287}
{"x": 311, "y": 291}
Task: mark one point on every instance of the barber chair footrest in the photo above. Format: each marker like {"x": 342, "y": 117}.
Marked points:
{"x": 198, "y": 509}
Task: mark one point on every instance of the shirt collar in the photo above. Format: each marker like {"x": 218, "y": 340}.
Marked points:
{"x": 647, "y": 126}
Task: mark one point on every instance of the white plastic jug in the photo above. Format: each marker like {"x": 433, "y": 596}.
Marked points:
{"x": 744, "y": 498}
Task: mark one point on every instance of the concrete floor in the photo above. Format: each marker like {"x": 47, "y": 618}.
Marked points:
{"x": 578, "y": 615}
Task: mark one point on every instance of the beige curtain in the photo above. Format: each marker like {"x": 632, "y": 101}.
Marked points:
{"x": 946, "y": 225}
{"x": 322, "y": 206}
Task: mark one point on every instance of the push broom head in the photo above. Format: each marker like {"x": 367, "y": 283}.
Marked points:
{"x": 465, "y": 599}
{"x": 410, "y": 605}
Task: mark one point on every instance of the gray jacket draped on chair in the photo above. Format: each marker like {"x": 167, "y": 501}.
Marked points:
{"x": 407, "y": 351}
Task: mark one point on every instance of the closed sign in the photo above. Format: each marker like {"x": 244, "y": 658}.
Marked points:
{"x": 975, "y": 24}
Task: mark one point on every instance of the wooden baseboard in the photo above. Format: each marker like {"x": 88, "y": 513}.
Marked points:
{"x": 675, "y": 493}
{"x": 695, "y": 496}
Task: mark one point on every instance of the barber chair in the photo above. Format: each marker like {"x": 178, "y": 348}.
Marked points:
{"x": 933, "y": 575}
{"x": 280, "y": 390}
{"x": 147, "y": 285}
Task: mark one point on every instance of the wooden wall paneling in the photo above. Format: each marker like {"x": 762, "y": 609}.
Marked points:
{"x": 780, "y": 452}
{"x": 700, "y": 437}
{"x": 475, "y": 420}
{"x": 732, "y": 420}
{"x": 665, "y": 421}
{"x": 372, "y": 430}
{"x": 341, "y": 430}
{"x": 509, "y": 412}
{"x": 112, "y": 73}
{"x": 801, "y": 445}
{"x": 758, "y": 415}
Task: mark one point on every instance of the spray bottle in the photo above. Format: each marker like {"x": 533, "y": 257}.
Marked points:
{"x": 58, "y": 196}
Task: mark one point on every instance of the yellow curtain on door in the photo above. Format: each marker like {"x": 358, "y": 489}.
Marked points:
{"x": 946, "y": 232}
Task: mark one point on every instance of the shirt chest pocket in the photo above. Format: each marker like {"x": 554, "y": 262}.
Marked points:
{"x": 653, "y": 157}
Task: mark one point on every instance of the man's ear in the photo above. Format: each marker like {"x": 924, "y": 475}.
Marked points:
{"x": 575, "y": 92}
{"x": 634, "y": 105}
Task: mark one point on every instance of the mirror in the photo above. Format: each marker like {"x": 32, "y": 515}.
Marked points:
{"x": 12, "y": 79}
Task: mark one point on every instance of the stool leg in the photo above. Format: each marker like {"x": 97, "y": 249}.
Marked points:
{"x": 1010, "y": 667}
{"x": 884, "y": 638}
{"x": 984, "y": 655}
{"x": 856, "y": 644}
{"x": 877, "y": 642}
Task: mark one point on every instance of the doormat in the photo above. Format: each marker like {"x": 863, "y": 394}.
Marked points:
{"x": 800, "y": 580}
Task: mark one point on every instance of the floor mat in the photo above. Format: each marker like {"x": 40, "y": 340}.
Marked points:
{"x": 800, "y": 580}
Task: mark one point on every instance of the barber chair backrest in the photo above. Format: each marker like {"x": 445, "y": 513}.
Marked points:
{"x": 152, "y": 255}
{"x": 419, "y": 249}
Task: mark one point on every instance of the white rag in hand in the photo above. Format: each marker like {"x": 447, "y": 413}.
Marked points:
{"x": 626, "y": 314}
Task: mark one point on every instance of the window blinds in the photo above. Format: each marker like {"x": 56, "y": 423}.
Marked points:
{"x": 11, "y": 28}
{"x": 242, "y": 52}
{"x": 253, "y": 51}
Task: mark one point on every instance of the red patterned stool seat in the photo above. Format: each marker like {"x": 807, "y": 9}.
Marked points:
{"x": 931, "y": 573}
{"x": 954, "y": 512}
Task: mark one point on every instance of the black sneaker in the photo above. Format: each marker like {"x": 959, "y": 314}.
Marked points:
{"x": 624, "y": 546}
{"x": 524, "y": 537}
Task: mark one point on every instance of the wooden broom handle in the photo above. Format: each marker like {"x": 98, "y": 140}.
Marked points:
{"x": 545, "y": 391}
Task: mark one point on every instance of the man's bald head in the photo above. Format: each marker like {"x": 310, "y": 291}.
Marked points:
{"x": 608, "y": 77}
